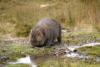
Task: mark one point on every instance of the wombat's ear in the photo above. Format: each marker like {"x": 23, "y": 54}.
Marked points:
{"x": 40, "y": 33}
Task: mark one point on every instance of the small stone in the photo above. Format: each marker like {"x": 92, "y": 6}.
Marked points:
{"x": 75, "y": 50}
{"x": 3, "y": 50}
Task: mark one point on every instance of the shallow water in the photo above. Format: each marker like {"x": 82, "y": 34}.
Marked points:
{"x": 30, "y": 60}
{"x": 72, "y": 48}
{"x": 75, "y": 54}
{"x": 33, "y": 61}
{"x": 26, "y": 60}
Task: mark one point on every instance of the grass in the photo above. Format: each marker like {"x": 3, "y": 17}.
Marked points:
{"x": 95, "y": 50}
{"x": 15, "y": 51}
{"x": 22, "y": 15}
{"x": 45, "y": 57}
{"x": 17, "y": 18}
{"x": 68, "y": 62}
{"x": 19, "y": 65}
{"x": 80, "y": 37}
{"x": 95, "y": 34}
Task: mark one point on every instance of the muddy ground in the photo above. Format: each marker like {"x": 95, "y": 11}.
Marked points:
{"x": 10, "y": 47}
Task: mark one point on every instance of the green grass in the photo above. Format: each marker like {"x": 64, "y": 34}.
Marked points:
{"x": 44, "y": 55}
{"x": 95, "y": 34}
{"x": 15, "y": 51}
{"x": 19, "y": 65}
{"x": 80, "y": 37}
{"x": 68, "y": 62}
{"x": 95, "y": 50}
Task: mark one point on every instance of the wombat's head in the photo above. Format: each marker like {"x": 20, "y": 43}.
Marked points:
{"x": 36, "y": 38}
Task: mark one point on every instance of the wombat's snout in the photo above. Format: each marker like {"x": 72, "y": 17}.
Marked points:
{"x": 32, "y": 45}
{"x": 36, "y": 45}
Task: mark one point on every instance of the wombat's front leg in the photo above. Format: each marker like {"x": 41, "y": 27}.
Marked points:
{"x": 48, "y": 42}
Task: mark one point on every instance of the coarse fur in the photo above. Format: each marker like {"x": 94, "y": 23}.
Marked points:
{"x": 45, "y": 32}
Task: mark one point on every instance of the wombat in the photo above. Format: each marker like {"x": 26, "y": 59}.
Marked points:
{"x": 45, "y": 32}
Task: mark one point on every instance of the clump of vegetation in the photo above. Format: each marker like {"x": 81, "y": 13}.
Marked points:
{"x": 68, "y": 62}
{"x": 19, "y": 65}
{"x": 97, "y": 35}
{"x": 19, "y": 16}
{"x": 15, "y": 51}
{"x": 24, "y": 30}
{"x": 93, "y": 7}
{"x": 80, "y": 37}
{"x": 91, "y": 50}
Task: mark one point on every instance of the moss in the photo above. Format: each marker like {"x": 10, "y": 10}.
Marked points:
{"x": 92, "y": 50}
{"x": 79, "y": 32}
{"x": 85, "y": 48}
{"x": 19, "y": 65}
{"x": 75, "y": 38}
{"x": 1, "y": 40}
{"x": 95, "y": 34}
{"x": 15, "y": 51}
{"x": 40, "y": 51}
{"x": 69, "y": 62}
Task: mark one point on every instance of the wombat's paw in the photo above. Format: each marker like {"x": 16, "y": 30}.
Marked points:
{"x": 47, "y": 46}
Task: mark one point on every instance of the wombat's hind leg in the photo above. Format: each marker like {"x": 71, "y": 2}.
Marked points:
{"x": 59, "y": 39}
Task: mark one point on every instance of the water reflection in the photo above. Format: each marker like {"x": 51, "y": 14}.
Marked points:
{"x": 32, "y": 60}
{"x": 41, "y": 59}
{"x": 26, "y": 60}
{"x": 78, "y": 54}
{"x": 35, "y": 60}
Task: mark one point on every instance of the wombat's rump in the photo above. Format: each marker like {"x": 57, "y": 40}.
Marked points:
{"x": 45, "y": 32}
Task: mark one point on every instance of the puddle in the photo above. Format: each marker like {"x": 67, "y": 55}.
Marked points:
{"x": 79, "y": 55}
{"x": 34, "y": 61}
{"x": 26, "y": 60}
{"x": 72, "y": 48}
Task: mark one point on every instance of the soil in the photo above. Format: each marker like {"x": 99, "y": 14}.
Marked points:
{"x": 58, "y": 50}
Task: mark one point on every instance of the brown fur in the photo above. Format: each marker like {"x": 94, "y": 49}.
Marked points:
{"x": 45, "y": 32}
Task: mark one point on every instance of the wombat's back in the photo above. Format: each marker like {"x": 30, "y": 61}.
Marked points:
{"x": 49, "y": 22}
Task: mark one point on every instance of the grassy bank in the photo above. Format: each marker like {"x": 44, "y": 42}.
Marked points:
{"x": 19, "y": 65}
{"x": 17, "y": 17}
{"x": 92, "y": 50}
{"x": 46, "y": 57}
{"x": 80, "y": 37}
{"x": 68, "y": 62}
